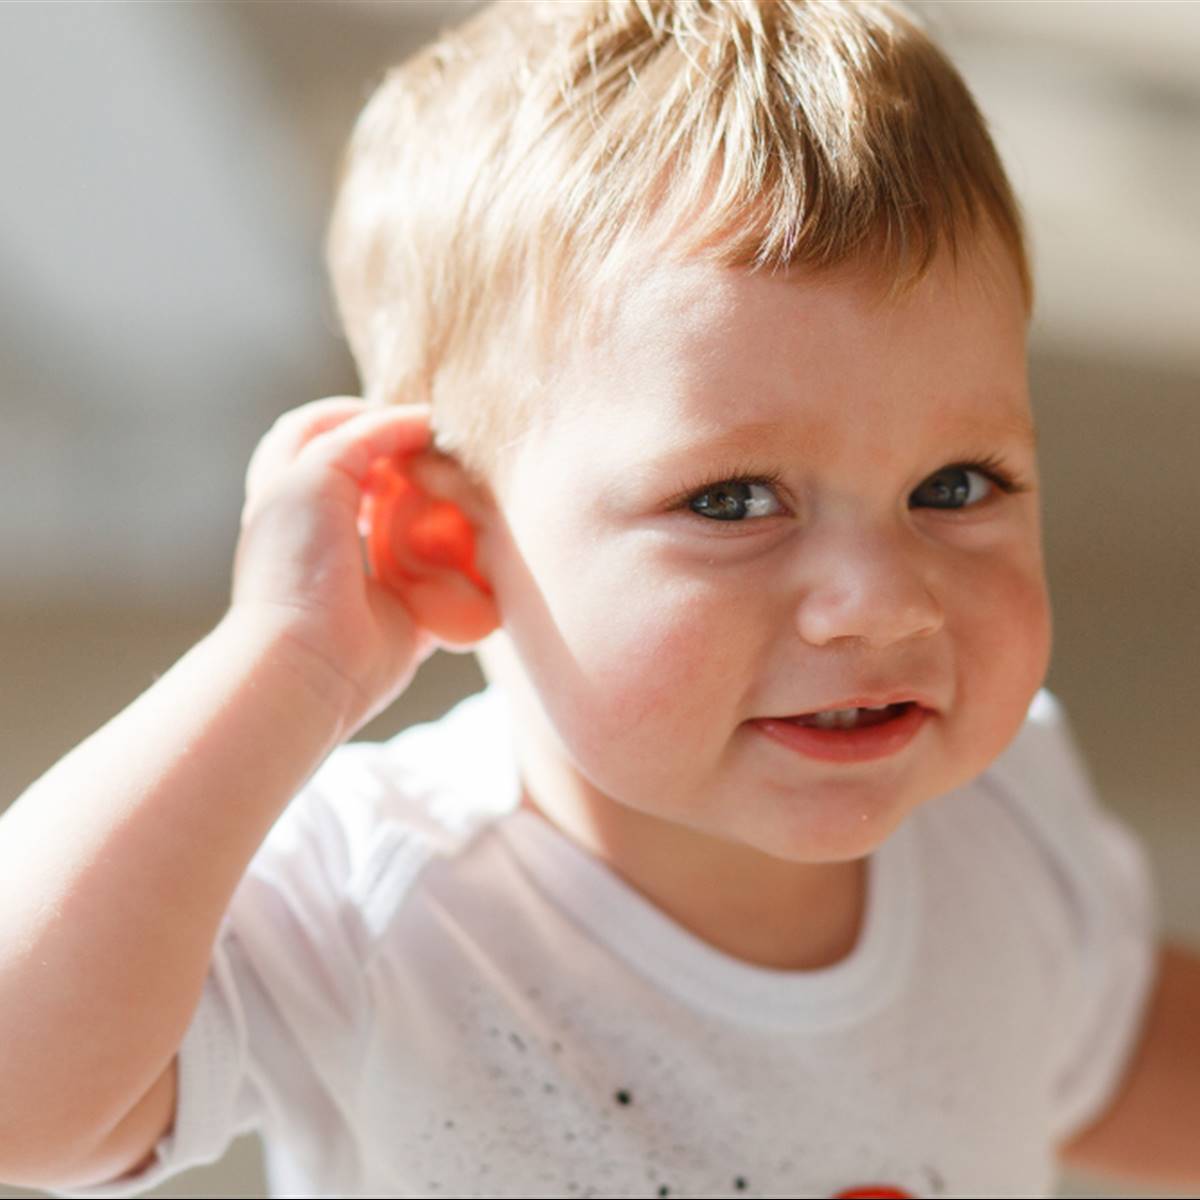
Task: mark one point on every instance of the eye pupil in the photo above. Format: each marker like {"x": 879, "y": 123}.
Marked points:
{"x": 948, "y": 488}
{"x": 725, "y": 502}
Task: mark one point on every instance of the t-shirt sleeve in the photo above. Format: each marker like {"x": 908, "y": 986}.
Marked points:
{"x": 1106, "y": 948}
{"x": 215, "y": 1101}
{"x": 281, "y": 1014}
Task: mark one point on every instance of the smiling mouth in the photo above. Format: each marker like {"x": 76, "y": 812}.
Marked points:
{"x": 851, "y": 734}
{"x": 852, "y": 718}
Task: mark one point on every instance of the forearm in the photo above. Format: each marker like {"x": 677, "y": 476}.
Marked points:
{"x": 116, "y": 867}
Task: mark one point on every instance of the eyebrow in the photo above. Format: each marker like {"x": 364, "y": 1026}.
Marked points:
{"x": 747, "y": 437}
{"x": 1018, "y": 427}
{"x": 750, "y": 437}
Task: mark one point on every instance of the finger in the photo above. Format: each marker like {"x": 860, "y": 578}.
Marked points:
{"x": 354, "y": 445}
{"x": 292, "y": 431}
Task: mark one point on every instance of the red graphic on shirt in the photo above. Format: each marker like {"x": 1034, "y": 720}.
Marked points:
{"x": 879, "y": 1191}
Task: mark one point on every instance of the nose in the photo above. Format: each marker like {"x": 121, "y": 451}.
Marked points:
{"x": 876, "y": 588}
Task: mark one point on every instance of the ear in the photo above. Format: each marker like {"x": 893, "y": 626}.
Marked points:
{"x": 420, "y": 543}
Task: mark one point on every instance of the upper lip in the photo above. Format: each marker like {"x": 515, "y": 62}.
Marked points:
{"x": 875, "y": 700}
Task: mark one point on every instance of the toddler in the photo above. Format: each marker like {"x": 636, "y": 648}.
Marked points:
{"x": 762, "y": 867}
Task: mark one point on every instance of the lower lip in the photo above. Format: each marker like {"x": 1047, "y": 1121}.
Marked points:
{"x": 848, "y": 745}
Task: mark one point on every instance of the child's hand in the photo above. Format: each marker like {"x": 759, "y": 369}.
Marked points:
{"x": 299, "y": 567}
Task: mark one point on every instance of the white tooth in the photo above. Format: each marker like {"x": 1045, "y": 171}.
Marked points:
{"x": 847, "y": 718}
{"x": 826, "y": 720}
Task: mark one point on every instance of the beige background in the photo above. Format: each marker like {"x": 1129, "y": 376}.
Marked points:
{"x": 163, "y": 300}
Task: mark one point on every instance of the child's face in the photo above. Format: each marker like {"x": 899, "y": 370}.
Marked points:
{"x": 657, "y": 639}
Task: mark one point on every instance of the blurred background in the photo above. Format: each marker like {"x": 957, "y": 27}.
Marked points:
{"x": 168, "y": 170}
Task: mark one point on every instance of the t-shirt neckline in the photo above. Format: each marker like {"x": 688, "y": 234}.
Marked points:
{"x": 703, "y": 977}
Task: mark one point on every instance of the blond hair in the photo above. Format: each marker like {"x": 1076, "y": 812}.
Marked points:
{"x": 501, "y": 180}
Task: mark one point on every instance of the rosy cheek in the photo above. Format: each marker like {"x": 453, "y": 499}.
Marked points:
{"x": 655, "y": 657}
{"x": 1003, "y": 651}
{"x": 1027, "y": 618}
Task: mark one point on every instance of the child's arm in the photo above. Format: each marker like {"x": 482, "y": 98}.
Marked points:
{"x": 117, "y": 865}
{"x": 1151, "y": 1131}
{"x": 115, "y": 869}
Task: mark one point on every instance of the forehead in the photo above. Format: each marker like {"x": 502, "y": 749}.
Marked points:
{"x": 689, "y": 353}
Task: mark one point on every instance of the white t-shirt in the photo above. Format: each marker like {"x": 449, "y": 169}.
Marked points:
{"x": 421, "y": 990}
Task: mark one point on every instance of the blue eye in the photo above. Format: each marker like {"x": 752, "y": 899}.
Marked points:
{"x": 734, "y": 500}
{"x": 955, "y": 487}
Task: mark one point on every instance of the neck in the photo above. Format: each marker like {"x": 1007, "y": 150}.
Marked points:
{"x": 762, "y": 910}
{"x": 748, "y": 904}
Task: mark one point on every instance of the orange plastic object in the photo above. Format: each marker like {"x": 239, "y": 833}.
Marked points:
{"x": 879, "y": 1191}
{"x": 399, "y": 522}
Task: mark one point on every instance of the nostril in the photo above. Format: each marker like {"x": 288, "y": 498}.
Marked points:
{"x": 878, "y": 627}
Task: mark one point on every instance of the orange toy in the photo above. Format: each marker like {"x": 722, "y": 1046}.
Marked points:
{"x": 398, "y": 523}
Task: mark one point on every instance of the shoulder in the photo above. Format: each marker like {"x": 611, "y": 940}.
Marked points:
{"x": 375, "y": 813}
{"x": 1038, "y": 784}
{"x": 444, "y": 779}
{"x": 1031, "y": 834}
{"x": 1043, "y": 784}
{"x": 1074, "y": 882}
{"x": 1042, "y": 761}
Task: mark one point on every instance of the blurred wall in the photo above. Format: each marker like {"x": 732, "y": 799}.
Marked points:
{"x": 168, "y": 173}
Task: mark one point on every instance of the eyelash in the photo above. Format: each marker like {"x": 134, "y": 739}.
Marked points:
{"x": 771, "y": 479}
{"x": 990, "y": 466}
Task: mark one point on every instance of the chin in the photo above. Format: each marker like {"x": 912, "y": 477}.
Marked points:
{"x": 839, "y": 828}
